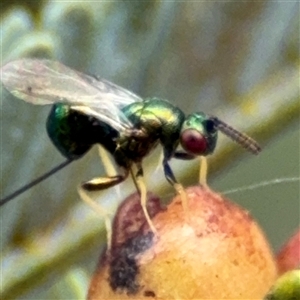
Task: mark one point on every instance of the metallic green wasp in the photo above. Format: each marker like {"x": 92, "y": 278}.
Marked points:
{"x": 88, "y": 111}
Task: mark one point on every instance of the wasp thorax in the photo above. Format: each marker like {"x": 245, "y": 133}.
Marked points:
{"x": 198, "y": 135}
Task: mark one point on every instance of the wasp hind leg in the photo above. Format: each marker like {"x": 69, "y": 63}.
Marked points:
{"x": 108, "y": 165}
{"x": 98, "y": 184}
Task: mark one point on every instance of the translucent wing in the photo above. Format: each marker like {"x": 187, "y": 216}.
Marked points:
{"x": 47, "y": 82}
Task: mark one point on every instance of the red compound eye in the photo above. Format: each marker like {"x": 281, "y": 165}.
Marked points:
{"x": 193, "y": 142}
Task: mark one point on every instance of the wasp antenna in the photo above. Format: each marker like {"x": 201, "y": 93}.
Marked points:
{"x": 34, "y": 182}
{"x": 244, "y": 140}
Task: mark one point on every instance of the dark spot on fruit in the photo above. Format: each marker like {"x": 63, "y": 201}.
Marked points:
{"x": 131, "y": 237}
{"x": 149, "y": 294}
{"x": 123, "y": 266}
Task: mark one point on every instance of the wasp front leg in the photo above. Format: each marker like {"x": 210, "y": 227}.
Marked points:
{"x": 203, "y": 165}
{"x": 177, "y": 186}
{"x": 99, "y": 184}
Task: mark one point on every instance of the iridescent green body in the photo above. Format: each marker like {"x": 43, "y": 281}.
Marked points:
{"x": 88, "y": 110}
{"x": 159, "y": 121}
{"x": 155, "y": 121}
{"x": 74, "y": 133}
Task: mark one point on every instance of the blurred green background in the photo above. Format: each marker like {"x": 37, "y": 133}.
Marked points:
{"x": 239, "y": 61}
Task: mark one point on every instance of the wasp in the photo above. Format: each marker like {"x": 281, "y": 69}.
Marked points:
{"x": 87, "y": 110}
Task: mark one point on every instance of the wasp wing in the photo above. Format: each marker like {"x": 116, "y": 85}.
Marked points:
{"x": 44, "y": 82}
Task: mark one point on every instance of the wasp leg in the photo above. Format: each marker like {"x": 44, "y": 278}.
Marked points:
{"x": 101, "y": 211}
{"x": 108, "y": 165}
{"x": 99, "y": 184}
{"x": 160, "y": 161}
{"x": 103, "y": 183}
{"x": 139, "y": 180}
{"x": 177, "y": 186}
{"x": 133, "y": 177}
{"x": 203, "y": 165}
{"x": 203, "y": 171}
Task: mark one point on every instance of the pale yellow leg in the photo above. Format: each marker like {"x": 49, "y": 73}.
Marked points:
{"x": 108, "y": 165}
{"x": 203, "y": 171}
{"x": 143, "y": 192}
{"x": 160, "y": 162}
{"x": 133, "y": 177}
{"x": 101, "y": 211}
{"x": 184, "y": 199}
